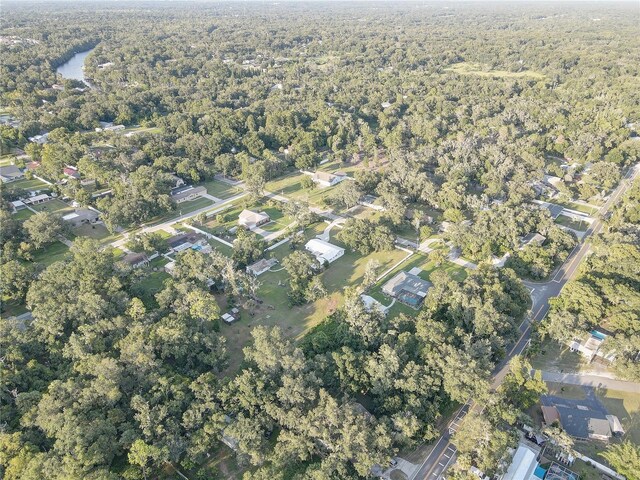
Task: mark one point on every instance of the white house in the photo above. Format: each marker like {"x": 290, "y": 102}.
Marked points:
{"x": 326, "y": 179}
{"x": 186, "y": 194}
{"x": 250, "y": 219}
{"x": 324, "y": 251}
{"x": 38, "y": 199}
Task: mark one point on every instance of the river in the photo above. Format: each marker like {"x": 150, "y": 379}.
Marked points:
{"x": 73, "y": 68}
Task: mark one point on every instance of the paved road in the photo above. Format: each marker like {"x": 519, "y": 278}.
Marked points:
{"x": 594, "y": 381}
{"x": 443, "y": 453}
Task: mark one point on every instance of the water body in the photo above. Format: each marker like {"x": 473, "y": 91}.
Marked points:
{"x": 73, "y": 68}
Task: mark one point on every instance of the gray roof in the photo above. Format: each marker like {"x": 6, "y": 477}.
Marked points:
{"x": 183, "y": 192}
{"x": 407, "y": 282}
{"x": 10, "y": 171}
{"x": 583, "y": 423}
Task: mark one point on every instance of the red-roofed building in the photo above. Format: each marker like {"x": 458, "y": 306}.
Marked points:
{"x": 71, "y": 172}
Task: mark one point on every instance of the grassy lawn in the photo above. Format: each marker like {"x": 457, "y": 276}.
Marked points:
{"x": 565, "y": 221}
{"x": 12, "y": 309}
{"x": 576, "y": 206}
{"x": 625, "y": 406}
{"x": 472, "y": 68}
{"x": 226, "y": 250}
{"x": 279, "y": 220}
{"x": 53, "y": 206}
{"x": 188, "y": 207}
{"x": 23, "y": 214}
{"x": 52, "y": 253}
{"x": 149, "y": 286}
{"x": 554, "y": 357}
{"x": 291, "y": 187}
{"x": 97, "y": 231}
{"x": 24, "y": 184}
{"x": 220, "y": 189}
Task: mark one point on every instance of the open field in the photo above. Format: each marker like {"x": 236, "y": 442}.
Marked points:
{"x": 220, "y": 189}
{"x": 472, "y": 68}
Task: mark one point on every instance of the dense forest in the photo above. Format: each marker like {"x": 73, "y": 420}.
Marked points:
{"x": 454, "y": 108}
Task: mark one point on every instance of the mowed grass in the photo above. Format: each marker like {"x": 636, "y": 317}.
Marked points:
{"x": 53, "y": 206}
{"x": 50, "y": 254}
{"x": 96, "y": 231}
{"x": 147, "y": 288}
{"x": 291, "y": 187}
{"x": 221, "y": 189}
{"x": 23, "y": 214}
{"x": 26, "y": 184}
{"x": 480, "y": 70}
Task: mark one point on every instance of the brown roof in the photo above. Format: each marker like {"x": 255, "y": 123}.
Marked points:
{"x": 550, "y": 415}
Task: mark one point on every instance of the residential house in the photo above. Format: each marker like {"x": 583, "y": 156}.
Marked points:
{"x": 81, "y": 216}
{"x": 324, "y": 251}
{"x": 552, "y": 181}
{"x": 136, "y": 260}
{"x": 10, "y": 173}
{"x": 114, "y": 128}
{"x": 533, "y": 239}
{"x": 40, "y": 139}
{"x": 38, "y": 199}
{"x": 261, "y": 266}
{"x": 71, "y": 172}
{"x": 32, "y": 166}
{"x": 176, "y": 181}
{"x": 17, "y": 205}
{"x": 250, "y": 219}
{"x": 579, "y": 421}
{"x": 371, "y": 202}
{"x": 371, "y": 303}
{"x": 326, "y": 179}
{"x": 88, "y": 183}
{"x": 187, "y": 193}
{"x": 590, "y": 346}
{"x": 407, "y": 288}
{"x": 524, "y": 465}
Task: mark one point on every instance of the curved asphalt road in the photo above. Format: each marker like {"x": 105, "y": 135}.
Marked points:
{"x": 444, "y": 452}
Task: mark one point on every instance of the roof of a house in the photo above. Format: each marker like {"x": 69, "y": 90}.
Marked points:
{"x": 322, "y": 248}
{"x": 84, "y": 213}
{"x": 554, "y": 210}
{"x": 72, "y": 171}
{"x": 407, "y": 282}
{"x": 523, "y": 465}
{"x": 550, "y": 414}
{"x": 583, "y": 423}
{"x": 37, "y": 198}
{"x": 249, "y": 216}
{"x": 10, "y": 171}
{"x": 181, "y": 238}
{"x": 183, "y": 192}
{"x": 262, "y": 265}
{"x": 534, "y": 237}
{"x": 326, "y": 176}
{"x": 134, "y": 258}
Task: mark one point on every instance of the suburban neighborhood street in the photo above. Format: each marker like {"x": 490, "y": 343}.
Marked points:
{"x": 443, "y": 453}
